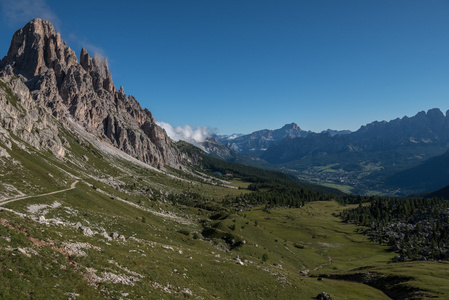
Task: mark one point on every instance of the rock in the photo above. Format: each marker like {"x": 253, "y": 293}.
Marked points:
{"x": 238, "y": 261}
{"x": 86, "y": 231}
{"x": 114, "y": 235}
{"x": 23, "y": 251}
{"x": 22, "y": 116}
{"x": 323, "y": 296}
{"x": 278, "y": 265}
{"x": 105, "y": 235}
{"x": 84, "y": 92}
{"x": 4, "y": 153}
{"x": 85, "y": 157}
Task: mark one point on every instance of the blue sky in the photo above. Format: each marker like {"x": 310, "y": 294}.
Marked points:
{"x": 245, "y": 65}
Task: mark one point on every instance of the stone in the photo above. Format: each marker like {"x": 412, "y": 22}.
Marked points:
{"x": 87, "y": 231}
{"x": 238, "y": 261}
{"x": 323, "y": 296}
{"x": 114, "y": 235}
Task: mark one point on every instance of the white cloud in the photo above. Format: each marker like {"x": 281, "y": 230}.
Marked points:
{"x": 186, "y": 133}
{"x": 19, "y": 12}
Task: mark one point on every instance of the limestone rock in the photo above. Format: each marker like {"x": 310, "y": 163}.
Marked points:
{"x": 83, "y": 91}
{"x": 323, "y": 296}
{"x": 22, "y": 116}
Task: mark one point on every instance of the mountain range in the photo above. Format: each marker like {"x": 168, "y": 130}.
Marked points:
{"x": 373, "y": 159}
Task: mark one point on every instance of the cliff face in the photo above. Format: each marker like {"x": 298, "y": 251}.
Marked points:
{"x": 84, "y": 91}
{"x": 22, "y": 117}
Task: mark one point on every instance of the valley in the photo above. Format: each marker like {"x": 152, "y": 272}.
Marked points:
{"x": 117, "y": 234}
{"x": 381, "y": 158}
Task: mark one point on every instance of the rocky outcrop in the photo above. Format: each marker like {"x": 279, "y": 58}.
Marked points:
{"x": 84, "y": 91}
{"x": 20, "y": 115}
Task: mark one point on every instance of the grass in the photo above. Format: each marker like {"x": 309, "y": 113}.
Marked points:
{"x": 344, "y": 188}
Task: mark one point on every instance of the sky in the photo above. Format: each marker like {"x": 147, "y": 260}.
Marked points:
{"x": 237, "y": 66}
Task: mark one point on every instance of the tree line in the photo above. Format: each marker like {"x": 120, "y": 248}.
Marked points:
{"x": 418, "y": 229}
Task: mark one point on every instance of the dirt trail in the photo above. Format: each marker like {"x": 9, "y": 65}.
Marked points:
{"x": 72, "y": 186}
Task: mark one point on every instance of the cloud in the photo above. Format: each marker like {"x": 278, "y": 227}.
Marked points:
{"x": 19, "y": 12}
{"x": 186, "y": 133}
{"x": 93, "y": 50}
{"x": 98, "y": 52}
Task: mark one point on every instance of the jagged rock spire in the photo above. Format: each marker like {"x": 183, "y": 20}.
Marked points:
{"x": 98, "y": 68}
{"x": 86, "y": 92}
{"x": 36, "y": 48}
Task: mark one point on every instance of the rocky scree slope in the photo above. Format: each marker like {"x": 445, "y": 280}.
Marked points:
{"x": 84, "y": 92}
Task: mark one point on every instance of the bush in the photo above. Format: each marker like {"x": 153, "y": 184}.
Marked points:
{"x": 299, "y": 246}
{"x": 265, "y": 257}
{"x": 184, "y": 232}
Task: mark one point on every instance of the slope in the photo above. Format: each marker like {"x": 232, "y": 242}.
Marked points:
{"x": 129, "y": 230}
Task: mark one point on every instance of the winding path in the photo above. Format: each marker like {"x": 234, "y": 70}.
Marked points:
{"x": 72, "y": 186}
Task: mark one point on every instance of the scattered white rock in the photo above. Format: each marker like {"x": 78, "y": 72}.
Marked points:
{"x": 238, "y": 261}
{"x": 76, "y": 248}
{"x": 72, "y": 295}
{"x": 122, "y": 279}
{"x": 114, "y": 235}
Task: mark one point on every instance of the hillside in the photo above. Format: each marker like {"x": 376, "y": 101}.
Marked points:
{"x": 435, "y": 171}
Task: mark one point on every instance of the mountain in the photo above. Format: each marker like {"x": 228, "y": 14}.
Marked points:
{"x": 366, "y": 159}
{"x": 442, "y": 193}
{"x": 336, "y": 132}
{"x": 363, "y": 161}
{"x": 430, "y": 175}
{"x": 83, "y": 92}
{"x": 424, "y": 129}
{"x": 258, "y": 141}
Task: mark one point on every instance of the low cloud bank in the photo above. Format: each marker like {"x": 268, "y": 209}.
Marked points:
{"x": 186, "y": 133}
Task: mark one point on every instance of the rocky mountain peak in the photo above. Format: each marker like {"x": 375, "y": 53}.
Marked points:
{"x": 36, "y": 48}
{"x": 292, "y": 126}
{"x": 84, "y": 92}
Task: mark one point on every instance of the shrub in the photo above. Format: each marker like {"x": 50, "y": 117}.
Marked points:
{"x": 184, "y": 232}
{"x": 265, "y": 257}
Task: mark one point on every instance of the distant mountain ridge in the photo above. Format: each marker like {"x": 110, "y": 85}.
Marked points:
{"x": 258, "y": 141}
{"x": 336, "y": 132}
{"x": 431, "y": 128}
{"x": 365, "y": 160}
